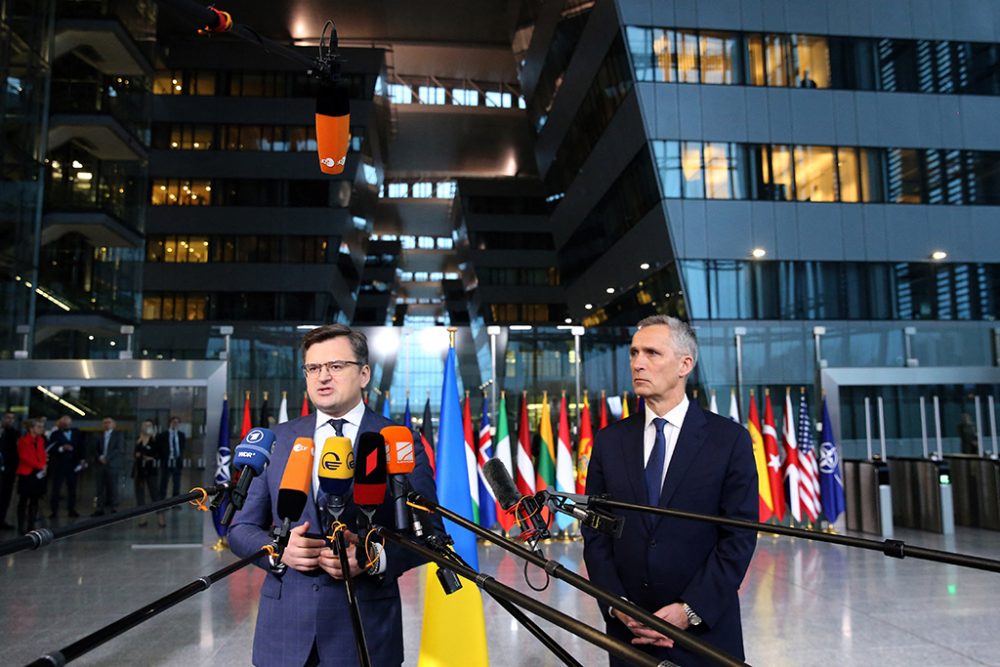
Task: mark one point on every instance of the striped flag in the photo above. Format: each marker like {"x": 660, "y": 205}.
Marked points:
{"x": 713, "y": 405}
{"x": 487, "y": 501}
{"x": 586, "y": 446}
{"x": 470, "y": 458}
{"x": 763, "y": 486}
{"x": 791, "y": 467}
{"x": 773, "y": 459}
{"x": 283, "y": 408}
{"x": 565, "y": 477}
{"x": 305, "y": 404}
{"x": 734, "y": 408}
{"x": 525, "y": 465}
{"x": 503, "y": 453}
{"x": 602, "y": 422}
{"x": 545, "y": 468}
{"x": 808, "y": 469}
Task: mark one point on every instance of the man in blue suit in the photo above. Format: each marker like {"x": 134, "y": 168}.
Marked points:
{"x": 673, "y": 454}
{"x": 304, "y": 614}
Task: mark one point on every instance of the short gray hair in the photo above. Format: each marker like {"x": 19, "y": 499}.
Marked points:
{"x": 681, "y": 333}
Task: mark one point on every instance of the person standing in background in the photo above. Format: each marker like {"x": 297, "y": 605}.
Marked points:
{"x": 110, "y": 457}
{"x": 144, "y": 469}
{"x": 170, "y": 445}
{"x": 65, "y": 450}
{"x": 8, "y": 465}
{"x": 31, "y": 469}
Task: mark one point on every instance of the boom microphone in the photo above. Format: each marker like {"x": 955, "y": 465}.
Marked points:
{"x": 251, "y": 456}
{"x": 336, "y": 473}
{"x": 400, "y": 460}
{"x": 333, "y": 126}
{"x": 525, "y": 508}
{"x": 296, "y": 481}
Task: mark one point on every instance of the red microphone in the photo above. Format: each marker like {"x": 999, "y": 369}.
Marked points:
{"x": 333, "y": 127}
{"x": 400, "y": 456}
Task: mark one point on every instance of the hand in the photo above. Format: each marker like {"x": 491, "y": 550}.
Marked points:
{"x": 672, "y": 614}
{"x": 331, "y": 563}
{"x": 102, "y": 460}
{"x": 302, "y": 553}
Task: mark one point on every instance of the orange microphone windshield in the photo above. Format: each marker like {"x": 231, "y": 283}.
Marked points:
{"x": 399, "y": 453}
{"x": 296, "y": 480}
{"x": 333, "y": 127}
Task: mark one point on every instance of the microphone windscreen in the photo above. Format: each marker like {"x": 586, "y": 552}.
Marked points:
{"x": 333, "y": 127}
{"x": 296, "y": 480}
{"x": 254, "y": 451}
{"x": 503, "y": 486}
{"x": 399, "y": 450}
{"x": 370, "y": 470}
{"x": 336, "y": 466}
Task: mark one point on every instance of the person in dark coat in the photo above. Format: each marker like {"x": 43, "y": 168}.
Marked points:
{"x": 8, "y": 465}
{"x": 65, "y": 450}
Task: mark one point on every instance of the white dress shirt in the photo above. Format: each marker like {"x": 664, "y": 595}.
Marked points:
{"x": 671, "y": 431}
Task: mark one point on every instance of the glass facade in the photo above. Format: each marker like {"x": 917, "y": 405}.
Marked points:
{"x": 242, "y": 83}
{"x": 561, "y": 49}
{"x": 249, "y": 192}
{"x": 260, "y": 306}
{"x": 675, "y": 55}
{"x": 240, "y": 249}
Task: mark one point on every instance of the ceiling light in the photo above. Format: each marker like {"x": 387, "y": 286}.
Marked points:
{"x": 938, "y": 255}
{"x": 77, "y": 164}
{"x": 758, "y": 253}
{"x": 568, "y": 320}
{"x": 588, "y": 306}
{"x": 644, "y": 266}
{"x": 610, "y": 290}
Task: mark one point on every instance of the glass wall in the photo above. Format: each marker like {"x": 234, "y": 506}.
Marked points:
{"x": 240, "y": 249}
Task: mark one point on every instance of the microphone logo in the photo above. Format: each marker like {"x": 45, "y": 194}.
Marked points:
{"x": 332, "y": 462}
{"x": 329, "y": 161}
{"x": 297, "y": 447}
{"x": 254, "y": 436}
{"x": 371, "y": 462}
{"x": 404, "y": 452}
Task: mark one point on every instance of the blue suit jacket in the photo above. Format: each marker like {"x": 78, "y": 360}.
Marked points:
{"x": 661, "y": 560}
{"x": 299, "y": 608}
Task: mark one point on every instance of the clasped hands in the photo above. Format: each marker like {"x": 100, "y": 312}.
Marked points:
{"x": 306, "y": 554}
{"x": 672, "y": 614}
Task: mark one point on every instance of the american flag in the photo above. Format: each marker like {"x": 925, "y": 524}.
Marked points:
{"x": 809, "y": 496}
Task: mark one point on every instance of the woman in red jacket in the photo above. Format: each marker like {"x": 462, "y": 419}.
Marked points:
{"x": 31, "y": 450}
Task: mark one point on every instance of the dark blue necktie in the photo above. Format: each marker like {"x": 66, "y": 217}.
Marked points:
{"x": 654, "y": 467}
{"x": 338, "y": 426}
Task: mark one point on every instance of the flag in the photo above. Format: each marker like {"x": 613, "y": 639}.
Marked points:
{"x": 734, "y": 408}
{"x": 586, "y": 446}
{"x": 773, "y": 460}
{"x": 808, "y": 470}
{"x": 407, "y": 417}
{"x": 831, "y": 483}
{"x": 470, "y": 458}
{"x": 265, "y": 414}
{"x": 602, "y": 423}
{"x": 763, "y": 486}
{"x": 283, "y": 408}
{"x": 305, "y": 404}
{"x": 247, "y": 418}
{"x": 625, "y": 405}
{"x": 503, "y": 453}
{"x": 525, "y": 465}
{"x": 565, "y": 477}
{"x": 487, "y": 501}
{"x": 223, "y": 457}
{"x": 454, "y": 626}
{"x": 641, "y": 405}
{"x": 713, "y": 405}
{"x": 545, "y": 466}
{"x": 790, "y": 468}
{"x": 386, "y": 407}
{"x": 427, "y": 433}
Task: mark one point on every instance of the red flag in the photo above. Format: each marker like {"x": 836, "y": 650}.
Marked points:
{"x": 586, "y": 445}
{"x": 427, "y": 433}
{"x": 247, "y": 418}
{"x": 305, "y": 404}
{"x": 525, "y": 464}
{"x": 603, "y": 422}
{"x": 773, "y": 459}
{"x": 766, "y": 505}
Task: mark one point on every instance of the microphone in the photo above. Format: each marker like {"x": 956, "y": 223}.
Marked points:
{"x": 251, "y": 456}
{"x": 333, "y": 126}
{"x": 400, "y": 460}
{"x": 578, "y": 507}
{"x": 527, "y": 510}
{"x": 336, "y": 473}
{"x": 369, "y": 484}
{"x": 296, "y": 481}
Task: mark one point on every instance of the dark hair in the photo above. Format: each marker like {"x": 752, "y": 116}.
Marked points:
{"x": 359, "y": 342}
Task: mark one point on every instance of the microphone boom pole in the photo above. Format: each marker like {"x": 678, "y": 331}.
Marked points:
{"x": 359, "y": 631}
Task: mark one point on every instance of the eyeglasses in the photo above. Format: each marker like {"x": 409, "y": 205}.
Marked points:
{"x": 335, "y": 367}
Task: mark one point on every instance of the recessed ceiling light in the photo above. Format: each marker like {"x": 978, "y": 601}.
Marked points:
{"x": 588, "y": 306}
{"x": 938, "y": 255}
{"x": 644, "y": 266}
{"x": 610, "y": 290}
{"x": 568, "y": 320}
{"x": 758, "y": 253}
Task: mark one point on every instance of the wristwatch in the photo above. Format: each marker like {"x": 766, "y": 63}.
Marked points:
{"x": 693, "y": 618}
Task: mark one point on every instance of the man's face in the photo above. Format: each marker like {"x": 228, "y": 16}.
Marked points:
{"x": 657, "y": 368}
{"x": 8, "y": 419}
{"x": 108, "y": 423}
{"x": 64, "y": 423}
{"x": 335, "y": 394}
{"x": 174, "y": 423}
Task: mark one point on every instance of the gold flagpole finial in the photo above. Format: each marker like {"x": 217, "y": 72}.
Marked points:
{"x": 451, "y": 335}
{"x": 265, "y": 395}
{"x": 248, "y": 394}
{"x": 284, "y": 395}
{"x": 751, "y": 392}
{"x": 503, "y": 394}
{"x": 802, "y": 390}
{"x": 225, "y": 395}
{"x": 767, "y": 391}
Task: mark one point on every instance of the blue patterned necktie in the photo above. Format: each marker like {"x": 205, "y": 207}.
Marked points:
{"x": 338, "y": 426}
{"x": 654, "y": 467}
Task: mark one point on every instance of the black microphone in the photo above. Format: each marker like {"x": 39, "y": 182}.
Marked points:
{"x": 578, "y": 507}
{"x": 369, "y": 485}
{"x": 251, "y": 456}
{"x": 527, "y": 511}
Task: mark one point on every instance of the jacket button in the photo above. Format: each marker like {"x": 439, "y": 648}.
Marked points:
{"x": 315, "y": 587}
{"x": 645, "y": 584}
{"x": 652, "y": 543}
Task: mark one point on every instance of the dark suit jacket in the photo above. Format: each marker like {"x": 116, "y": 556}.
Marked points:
{"x": 116, "y": 450}
{"x": 65, "y": 460}
{"x": 661, "y": 560}
{"x": 298, "y": 608}
{"x": 162, "y": 447}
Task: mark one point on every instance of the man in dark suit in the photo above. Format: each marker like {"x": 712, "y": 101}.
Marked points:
{"x": 8, "y": 462}
{"x": 65, "y": 451}
{"x": 304, "y": 613}
{"x": 170, "y": 449}
{"x": 673, "y": 454}
{"x": 109, "y": 465}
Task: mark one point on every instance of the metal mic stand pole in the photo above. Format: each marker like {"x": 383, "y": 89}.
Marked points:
{"x": 555, "y": 569}
{"x": 364, "y": 658}
{"x": 492, "y": 586}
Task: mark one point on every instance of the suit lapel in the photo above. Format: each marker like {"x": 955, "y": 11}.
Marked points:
{"x": 633, "y": 457}
{"x": 689, "y": 442}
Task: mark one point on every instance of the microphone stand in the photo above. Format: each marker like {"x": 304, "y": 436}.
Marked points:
{"x": 555, "y": 569}
{"x": 42, "y": 537}
{"x": 892, "y": 548}
{"x": 494, "y": 587}
{"x": 340, "y": 543}
{"x": 143, "y": 614}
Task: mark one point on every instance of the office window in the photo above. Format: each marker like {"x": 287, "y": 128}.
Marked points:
{"x": 768, "y": 60}
{"x": 811, "y": 61}
{"x": 422, "y": 190}
{"x": 693, "y": 170}
{"x": 668, "y": 164}
{"x": 498, "y": 99}
{"x": 407, "y": 242}
{"x": 398, "y": 190}
{"x": 445, "y": 190}
{"x": 718, "y": 58}
{"x": 425, "y": 242}
{"x": 903, "y": 171}
{"x": 468, "y": 97}
{"x": 400, "y": 93}
{"x": 815, "y": 173}
{"x": 724, "y": 172}
{"x": 445, "y": 243}
{"x": 431, "y": 94}
{"x": 984, "y": 173}
{"x": 686, "y": 56}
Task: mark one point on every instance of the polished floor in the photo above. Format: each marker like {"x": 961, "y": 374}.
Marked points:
{"x": 803, "y": 603}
